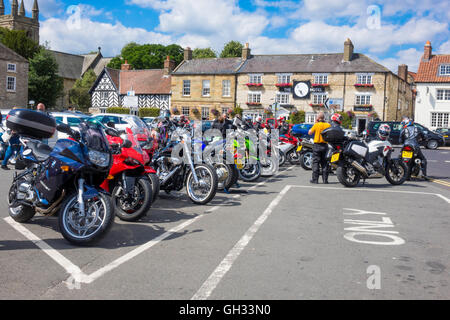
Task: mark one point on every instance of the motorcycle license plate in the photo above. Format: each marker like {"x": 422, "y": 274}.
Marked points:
{"x": 239, "y": 164}
{"x": 335, "y": 157}
{"x": 407, "y": 154}
{"x": 299, "y": 148}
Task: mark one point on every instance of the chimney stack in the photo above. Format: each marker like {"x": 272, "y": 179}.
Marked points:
{"x": 427, "y": 52}
{"x": 125, "y": 66}
{"x": 348, "y": 50}
{"x": 187, "y": 54}
{"x": 246, "y": 52}
{"x": 169, "y": 66}
{"x": 403, "y": 72}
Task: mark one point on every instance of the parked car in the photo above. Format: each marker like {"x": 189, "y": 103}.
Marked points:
{"x": 301, "y": 130}
{"x": 70, "y": 118}
{"x": 446, "y": 133}
{"x": 433, "y": 140}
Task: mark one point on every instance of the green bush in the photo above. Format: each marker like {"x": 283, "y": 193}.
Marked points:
{"x": 149, "y": 112}
{"x": 346, "y": 120}
{"x": 297, "y": 117}
{"x": 118, "y": 110}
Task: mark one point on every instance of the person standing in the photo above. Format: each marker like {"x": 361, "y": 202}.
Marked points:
{"x": 319, "y": 150}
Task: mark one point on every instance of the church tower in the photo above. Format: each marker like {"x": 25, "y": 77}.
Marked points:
{"x": 18, "y": 20}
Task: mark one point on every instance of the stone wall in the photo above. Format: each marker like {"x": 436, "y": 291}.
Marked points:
{"x": 19, "y": 98}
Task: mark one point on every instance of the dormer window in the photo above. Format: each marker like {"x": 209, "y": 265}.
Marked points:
{"x": 444, "y": 70}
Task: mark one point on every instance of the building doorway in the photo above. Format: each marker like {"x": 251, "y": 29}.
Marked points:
{"x": 361, "y": 125}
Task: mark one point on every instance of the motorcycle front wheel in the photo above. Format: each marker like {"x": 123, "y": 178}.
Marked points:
{"x": 133, "y": 207}
{"x": 85, "y": 228}
{"x": 397, "y": 172}
{"x": 306, "y": 160}
{"x": 203, "y": 191}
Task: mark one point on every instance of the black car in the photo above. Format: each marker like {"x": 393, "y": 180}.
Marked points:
{"x": 433, "y": 140}
{"x": 446, "y": 133}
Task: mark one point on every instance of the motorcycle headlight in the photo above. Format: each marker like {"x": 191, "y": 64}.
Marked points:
{"x": 100, "y": 159}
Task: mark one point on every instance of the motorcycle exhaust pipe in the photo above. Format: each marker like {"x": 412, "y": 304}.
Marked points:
{"x": 360, "y": 168}
{"x": 52, "y": 209}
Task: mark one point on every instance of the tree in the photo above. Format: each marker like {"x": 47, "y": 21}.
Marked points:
{"x": 147, "y": 56}
{"x": 18, "y": 41}
{"x": 232, "y": 49}
{"x": 79, "y": 94}
{"x": 44, "y": 84}
{"x": 200, "y": 53}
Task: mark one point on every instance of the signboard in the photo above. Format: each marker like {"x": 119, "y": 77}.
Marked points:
{"x": 317, "y": 89}
{"x": 302, "y": 89}
{"x": 286, "y": 89}
{"x": 363, "y": 109}
{"x": 130, "y": 102}
{"x": 336, "y": 104}
{"x": 131, "y": 93}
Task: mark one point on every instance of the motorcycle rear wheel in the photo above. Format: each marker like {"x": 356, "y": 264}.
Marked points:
{"x": 348, "y": 176}
{"x": 293, "y": 157}
{"x": 156, "y": 187}
{"x": 306, "y": 160}
{"x": 96, "y": 223}
{"x": 20, "y": 213}
{"x": 251, "y": 172}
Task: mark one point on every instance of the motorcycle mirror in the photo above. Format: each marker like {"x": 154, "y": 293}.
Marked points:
{"x": 64, "y": 128}
{"x": 112, "y": 132}
{"x": 111, "y": 125}
{"x": 127, "y": 144}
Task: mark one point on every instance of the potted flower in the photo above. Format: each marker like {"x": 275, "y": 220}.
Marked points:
{"x": 175, "y": 111}
{"x": 350, "y": 114}
{"x": 253, "y": 103}
{"x": 254, "y": 84}
{"x": 364, "y": 85}
{"x": 320, "y": 85}
{"x": 284, "y": 85}
{"x": 316, "y": 104}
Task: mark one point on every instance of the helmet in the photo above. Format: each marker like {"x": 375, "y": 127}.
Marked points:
{"x": 336, "y": 118}
{"x": 384, "y": 131}
{"x": 248, "y": 118}
{"x": 406, "y": 122}
{"x": 259, "y": 119}
{"x": 281, "y": 119}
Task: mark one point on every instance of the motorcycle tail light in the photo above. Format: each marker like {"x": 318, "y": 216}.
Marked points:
{"x": 408, "y": 148}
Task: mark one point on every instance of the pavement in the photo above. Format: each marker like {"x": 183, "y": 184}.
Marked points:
{"x": 279, "y": 238}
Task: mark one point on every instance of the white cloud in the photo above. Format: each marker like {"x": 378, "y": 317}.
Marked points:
{"x": 444, "y": 48}
{"x": 47, "y": 8}
{"x": 410, "y": 57}
{"x": 69, "y": 36}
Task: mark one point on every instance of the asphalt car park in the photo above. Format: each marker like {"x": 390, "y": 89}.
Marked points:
{"x": 279, "y": 238}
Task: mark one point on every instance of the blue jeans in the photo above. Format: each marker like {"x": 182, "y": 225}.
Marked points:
{"x": 12, "y": 147}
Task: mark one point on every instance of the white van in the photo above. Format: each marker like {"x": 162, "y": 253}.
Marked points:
{"x": 70, "y": 118}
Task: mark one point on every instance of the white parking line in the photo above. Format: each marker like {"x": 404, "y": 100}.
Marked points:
{"x": 213, "y": 280}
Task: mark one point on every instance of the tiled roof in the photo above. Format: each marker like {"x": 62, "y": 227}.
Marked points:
{"x": 310, "y": 63}
{"x": 70, "y": 65}
{"x": 429, "y": 70}
{"x": 209, "y": 66}
{"x": 8, "y": 54}
{"x": 144, "y": 81}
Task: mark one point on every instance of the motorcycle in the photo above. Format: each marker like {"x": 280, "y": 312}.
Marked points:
{"x": 413, "y": 163}
{"x": 174, "y": 173}
{"x": 131, "y": 189}
{"x": 356, "y": 159}
{"x": 67, "y": 179}
{"x": 305, "y": 154}
{"x": 290, "y": 146}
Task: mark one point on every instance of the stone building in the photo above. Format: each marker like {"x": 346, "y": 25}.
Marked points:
{"x": 132, "y": 88}
{"x": 17, "y": 20}
{"x": 349, "y": 82}
{"x": 201, "y": 85}
{"x": 432, "y": 82}
{"x": 13, "y": 79}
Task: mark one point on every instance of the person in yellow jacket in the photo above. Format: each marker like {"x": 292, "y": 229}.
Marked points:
{"x": 319, "y": 150}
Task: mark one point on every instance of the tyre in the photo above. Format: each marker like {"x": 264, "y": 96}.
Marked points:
{"x": 251, "y": 172}
{"x": 293, "y": 157}
{"x": 432, "y": 144}
{"x": 154, "y": 180}
{"x": 224, "y": 175}
{"x": 205, "y": 190}
{"x": 306, "y": 160}
{"x": 135, "y": 207}
{"x": 90, "y": 228}
{"x": 20, "y": 213}
{"x": 348, "y": 176}
{"x": 282, "y": 158}
{"x": 397, "y": 172}
{"x": 268, "y": 167}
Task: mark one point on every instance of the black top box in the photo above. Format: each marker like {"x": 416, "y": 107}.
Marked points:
{"x": 35, "y": 124}
{"x": 333, "y": 135}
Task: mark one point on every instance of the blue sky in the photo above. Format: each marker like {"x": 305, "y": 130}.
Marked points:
{"x": 391, "y": 32}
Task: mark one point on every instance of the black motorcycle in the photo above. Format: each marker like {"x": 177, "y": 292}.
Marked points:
{"x": 412, "y": 161}
{"x": 67, "y": 179}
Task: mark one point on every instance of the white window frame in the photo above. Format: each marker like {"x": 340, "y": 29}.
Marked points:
{"x": 444, "y": 70}
{"x": 13, "y": 70}
{"x": 366, "y": 101}
{"x": 284, "y": 77}
{"x": 224, "y": 110}
{"x": 440, "y": 119}
{"x": 206, "y": 88}
{"x": 226, "y": 88}
{"x": 319, "y": 98}
{"x": 310, "y": 118}
{"x": 255, "y": 78}
{"x": 14, "y": 84}
{"x": 443, "y": 94}
{"x": 185, "y": 111}
{"x": 282, "y": 98}
{"x": 205, "y": 113}
{"x": 320, "y": 78}
{"x": 186, "y": 88}
{"x": 364, "y": 78}
{"x": 254, "y": 97}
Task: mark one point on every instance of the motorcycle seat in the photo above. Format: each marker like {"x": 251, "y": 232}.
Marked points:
{"x": 40, "y": 150}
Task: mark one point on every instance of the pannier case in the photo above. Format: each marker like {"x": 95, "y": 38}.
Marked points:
{"x": 35, "y": 124}
{"x": 356, "y": 149}
{"x": 333, "y": 135}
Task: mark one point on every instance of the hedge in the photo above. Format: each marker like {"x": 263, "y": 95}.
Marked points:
{"x": 118, "y": 110}
{"x": 149, "y": 112}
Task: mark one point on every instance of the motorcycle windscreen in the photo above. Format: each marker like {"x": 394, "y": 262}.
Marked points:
{"x": 93, "y": 136}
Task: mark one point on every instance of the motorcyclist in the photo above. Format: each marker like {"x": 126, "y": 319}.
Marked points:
{"x": 411, "y": 135}
{"x": 247, "y": 123}
{"x": 283, "y": 126}
{"x": 259, "y": 123}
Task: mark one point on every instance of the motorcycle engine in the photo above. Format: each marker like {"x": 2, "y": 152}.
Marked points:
{"x": 25, "y": 192}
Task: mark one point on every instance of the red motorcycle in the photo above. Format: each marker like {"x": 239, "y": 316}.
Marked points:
{"x": 128, "y": 180}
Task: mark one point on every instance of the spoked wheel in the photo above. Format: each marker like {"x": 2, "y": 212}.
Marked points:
{"x": 84, "y": 228}
{"x": 348, "y": 176}
{"x": 133, "y": 207}
{"x": 306, "y": 160}
{"x": 397, "y": 172}
{"x": 204, "y": 190}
